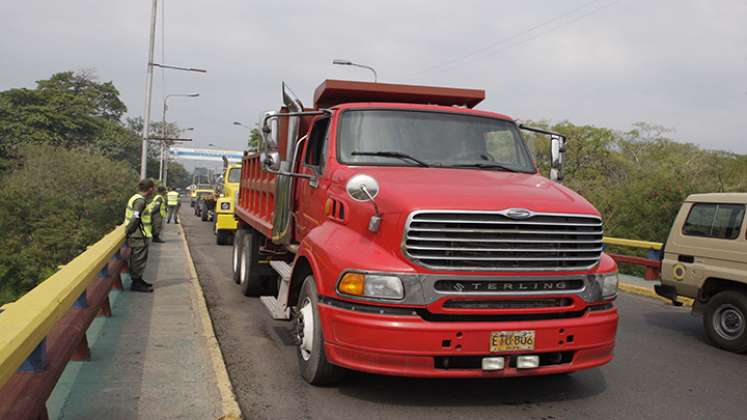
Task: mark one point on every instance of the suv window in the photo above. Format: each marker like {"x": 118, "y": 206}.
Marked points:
{"x": 722, "y": 221}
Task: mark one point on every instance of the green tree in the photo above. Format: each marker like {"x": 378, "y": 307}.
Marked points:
{"x": 254, "y": 139}
{"x": 68, "y": 110}
{"x": 57, "y": 202}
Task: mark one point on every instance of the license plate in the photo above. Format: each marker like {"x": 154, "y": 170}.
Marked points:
{"x": 511, "y": 340}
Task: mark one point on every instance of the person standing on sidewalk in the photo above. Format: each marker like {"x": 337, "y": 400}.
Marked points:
{"x": 157, "y": 210}
{"x": 173, "y": 202}
{"x": 138, "y": 229}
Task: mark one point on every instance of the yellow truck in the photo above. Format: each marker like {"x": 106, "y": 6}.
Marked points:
{"x": 197, "y": 194}
{"x": 224, "y": 222}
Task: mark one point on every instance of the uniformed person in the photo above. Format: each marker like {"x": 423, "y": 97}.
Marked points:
{"x": 157, "y": 210}
{"x": 173, "y": 202}
{"x": 139, "y": 231}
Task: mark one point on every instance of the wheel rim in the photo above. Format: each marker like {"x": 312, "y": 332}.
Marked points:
{"x": 242, "y": 273}
{"x": 728, "y": 322}
{"x": 306, "y": 329}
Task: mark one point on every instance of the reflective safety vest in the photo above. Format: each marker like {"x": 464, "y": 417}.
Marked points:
{"x": 172, "y": 198}
{"x": 146, "y": 227}
{"x": 156, "y": 200}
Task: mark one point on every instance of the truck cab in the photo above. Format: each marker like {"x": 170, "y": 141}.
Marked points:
{"x": 705, "y": 258}
{"x": 225, "y": 223}
{"x": 406, "y": 233}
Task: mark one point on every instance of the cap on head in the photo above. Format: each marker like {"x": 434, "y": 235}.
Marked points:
{"x": 145, "y": 184}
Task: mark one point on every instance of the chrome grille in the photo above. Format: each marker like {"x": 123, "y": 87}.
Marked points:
{"x": 491, "y": 241}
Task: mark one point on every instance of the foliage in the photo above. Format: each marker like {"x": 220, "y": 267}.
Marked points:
{"x": 639, "y": 178}
{"x": 254, "y": 139}
{"x": 68, "y": 110}
{"x": 54, "y": 204}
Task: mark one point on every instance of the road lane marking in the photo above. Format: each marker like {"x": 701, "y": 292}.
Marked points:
{"x": 230, "y": 406}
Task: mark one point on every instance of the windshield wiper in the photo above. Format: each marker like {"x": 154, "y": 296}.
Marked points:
{"x": 483, "y": 165}
{"x": 392, "y": 154}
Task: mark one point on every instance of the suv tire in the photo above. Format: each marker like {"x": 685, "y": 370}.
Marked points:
{"x": 725, "y": 321}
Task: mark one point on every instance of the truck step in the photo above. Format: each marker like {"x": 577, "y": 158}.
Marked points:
{"x": 282, "y": 268}
{"x": 277, "y": 311}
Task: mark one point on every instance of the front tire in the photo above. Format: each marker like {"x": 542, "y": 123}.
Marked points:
{"x": 725, "y": 321}
{"x": 312, "y": 359}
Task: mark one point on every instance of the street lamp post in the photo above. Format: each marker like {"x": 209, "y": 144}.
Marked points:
{"x": 162, "y": 170}
{"x": 241, "y": 125}
{"x": 149, "y": 87}
{"x": 350, "y": 63}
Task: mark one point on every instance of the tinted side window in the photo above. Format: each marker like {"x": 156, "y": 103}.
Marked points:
{"x": 317, "y": 143}
{"x": 722, "y": 221}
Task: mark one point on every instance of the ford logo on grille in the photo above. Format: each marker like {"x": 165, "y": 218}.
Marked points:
{"x": 518, "y": 213}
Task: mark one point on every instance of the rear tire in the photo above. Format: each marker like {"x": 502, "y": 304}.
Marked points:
{"x": 253, "y": 276}
{"x": 236, "y": 255}
{"x": 725, "y": 321}
{"x": 312, "y": 359}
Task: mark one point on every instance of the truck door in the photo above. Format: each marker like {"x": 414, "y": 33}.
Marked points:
{"x": 312, "y": 193}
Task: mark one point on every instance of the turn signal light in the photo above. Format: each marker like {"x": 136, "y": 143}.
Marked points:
{"x": 352, "y": 284}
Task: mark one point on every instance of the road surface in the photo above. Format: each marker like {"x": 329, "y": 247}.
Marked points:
{"x": 663, "y": 368}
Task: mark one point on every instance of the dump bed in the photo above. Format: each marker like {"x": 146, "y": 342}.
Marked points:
{"x": 256, "y": 202}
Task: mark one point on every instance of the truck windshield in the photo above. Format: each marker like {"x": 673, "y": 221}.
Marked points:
{"x": 234, "y": 175}
{"x": 443, "y": 139}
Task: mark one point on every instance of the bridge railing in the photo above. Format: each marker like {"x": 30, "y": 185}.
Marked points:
{"x": 651, "y": 263}
{"x": 44, "y": 329}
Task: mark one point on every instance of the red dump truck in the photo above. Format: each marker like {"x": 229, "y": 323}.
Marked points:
{"x": 406, "y": 233}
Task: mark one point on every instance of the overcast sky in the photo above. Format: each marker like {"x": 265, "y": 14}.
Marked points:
{"x": 678, "y": 63}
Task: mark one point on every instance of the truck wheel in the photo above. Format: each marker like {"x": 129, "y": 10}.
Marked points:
{"x": 222, "y": 237}
{"x": 203, "y": 212}
{"x": 236, "y": 255}
{"x": 725, "y": 321}
{"x": 253, "y": 276}
{"x": 312, "y": 360}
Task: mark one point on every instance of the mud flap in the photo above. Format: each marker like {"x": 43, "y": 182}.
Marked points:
{"x": 668, "y": 292}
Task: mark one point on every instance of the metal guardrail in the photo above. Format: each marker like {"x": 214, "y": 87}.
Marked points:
{"x": 634, "y": 243}
{"x": 44, "y": 329}
{"x": 652, "y": 263}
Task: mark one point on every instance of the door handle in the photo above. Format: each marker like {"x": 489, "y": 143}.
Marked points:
{"x": 686, "y": 258}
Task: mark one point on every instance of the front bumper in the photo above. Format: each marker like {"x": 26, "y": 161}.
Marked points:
{"x": 410, "y": 346}
{"x": 226, "y": 221}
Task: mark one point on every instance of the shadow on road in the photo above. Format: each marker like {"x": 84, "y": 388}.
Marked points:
{"x": 683, "y": 323}
{"x": 473, "y": 392}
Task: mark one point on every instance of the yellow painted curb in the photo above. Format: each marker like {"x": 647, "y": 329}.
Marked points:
{"x": 643, "y": 291}
{"x": 231, "y": 409}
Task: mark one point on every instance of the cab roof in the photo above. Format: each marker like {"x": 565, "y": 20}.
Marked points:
{"x": 335, "y": 92}
{"x": 731, "y": 198}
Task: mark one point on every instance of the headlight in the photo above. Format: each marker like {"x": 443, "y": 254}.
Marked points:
{"x": 609, "y": 286}
{"x": 604, "y": 286}
{"x": 371, "y": 286}
{"x": 225, "y": 206}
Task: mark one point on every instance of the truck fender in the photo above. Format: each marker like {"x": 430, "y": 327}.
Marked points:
{"x": 331, "y": 248}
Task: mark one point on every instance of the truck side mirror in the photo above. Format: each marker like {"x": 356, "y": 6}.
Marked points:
{"x": 270, "y": 160}
{"x": 557, "y": 148}
{"x": 269, "y": 155}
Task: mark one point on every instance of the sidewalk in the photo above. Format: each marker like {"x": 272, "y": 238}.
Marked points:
{"x": 639, "y": 286}
{"x": 156, "y": 357}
